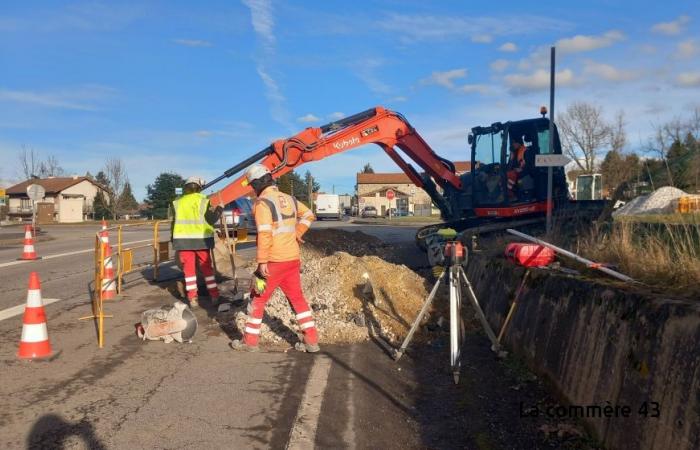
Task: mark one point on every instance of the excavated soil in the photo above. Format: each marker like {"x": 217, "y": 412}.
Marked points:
{"x": 354, "y": 296}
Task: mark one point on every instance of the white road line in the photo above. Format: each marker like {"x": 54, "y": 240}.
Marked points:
{"x": 303, "y": 434}
{"x": 59, "y": 255}
{"x": 19, "y": 309}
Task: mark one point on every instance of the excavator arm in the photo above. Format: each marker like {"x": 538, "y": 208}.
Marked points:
{"x": 380, "y": 126}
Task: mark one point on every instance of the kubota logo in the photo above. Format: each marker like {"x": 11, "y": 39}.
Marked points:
{"x": 345, "y": 143}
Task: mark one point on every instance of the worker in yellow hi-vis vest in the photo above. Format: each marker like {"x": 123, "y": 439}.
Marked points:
{"x": 193, "y": 236}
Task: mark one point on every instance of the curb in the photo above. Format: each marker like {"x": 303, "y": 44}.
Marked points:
{"x": 394, "y": 224}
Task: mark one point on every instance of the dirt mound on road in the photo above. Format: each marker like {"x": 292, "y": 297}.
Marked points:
{"x": 353, "y": 297}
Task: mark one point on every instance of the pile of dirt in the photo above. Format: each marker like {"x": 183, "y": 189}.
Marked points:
{"x": 353, "y": 297}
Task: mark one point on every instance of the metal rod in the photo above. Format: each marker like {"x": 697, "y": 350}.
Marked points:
{"x": 551, "y": 138}
{"x": 455, "y": 293}
{"x": 119, "y": 259}
{"x": 513, "y": 306}
{"x": 587, "y": 262}
{"x": 480, "y": 313}
{"x": 416, "y": 323}
{"x": 240, "y": 166}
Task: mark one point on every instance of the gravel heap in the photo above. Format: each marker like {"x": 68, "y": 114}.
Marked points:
{"x": 352, "y": 297}
{"x": 661, "y": 201}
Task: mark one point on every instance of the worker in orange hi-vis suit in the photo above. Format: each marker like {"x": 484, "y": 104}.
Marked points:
{"x": 281, "y": 222}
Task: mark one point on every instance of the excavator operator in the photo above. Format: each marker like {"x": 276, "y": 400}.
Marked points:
{"x": 281, "y": 222}
{"x": 516, "y": 165}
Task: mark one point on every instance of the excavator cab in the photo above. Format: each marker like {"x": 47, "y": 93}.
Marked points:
{"x": 503, "y": 181}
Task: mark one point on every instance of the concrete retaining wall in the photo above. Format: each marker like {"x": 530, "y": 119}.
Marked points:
{"x": 602, "y": 345}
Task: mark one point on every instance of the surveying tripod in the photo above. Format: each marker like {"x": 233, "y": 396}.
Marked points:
{"x": 455, "y": 258}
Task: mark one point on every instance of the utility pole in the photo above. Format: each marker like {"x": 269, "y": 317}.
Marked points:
{"x": 551, "y": 139}
{"x": 311, "y": 189}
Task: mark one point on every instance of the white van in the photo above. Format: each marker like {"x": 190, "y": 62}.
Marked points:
{"x": 327, "y": 206}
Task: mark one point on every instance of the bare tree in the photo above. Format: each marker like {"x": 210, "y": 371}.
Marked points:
{"x": 618, "y": 135}
{"x": 664, "y": 137}
{"x": 29, "y": 162}
{"x": 117, "y": 178}
{"x": 50, "y": 167}
{"x": 584, "y": 134}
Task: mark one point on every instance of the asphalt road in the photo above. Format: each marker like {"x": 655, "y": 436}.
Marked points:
{"x": 151, "y": 395}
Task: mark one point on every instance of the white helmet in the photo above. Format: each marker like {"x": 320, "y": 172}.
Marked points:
{"x": 195, "y": 180}
{"x": 256, "y": 171}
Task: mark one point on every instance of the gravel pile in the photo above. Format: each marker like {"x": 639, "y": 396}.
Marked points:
{"x": 352, "y": 297}
{"x": 661, "y": 201}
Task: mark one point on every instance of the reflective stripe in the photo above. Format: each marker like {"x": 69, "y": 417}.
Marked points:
{"x": 284, "y": 229}
{"x": 34, "y": 298}
{"x": 304, "y": 315}
{"x": 307, "y": 325}
{"x": 254, "y": 321}
{"x": 34, "y": 332}
{"x": 305, "y": 222}
{"x": 189, "y": 222}
{"x": 265, "y": 227}
{"x": 194, "y": 278}
{"x": 249, "y": 330}
{"x": 211, "y": 286}
{"x": 191, "y": 287}
{"x": 194, "y": 236}
{"x": 308, "y": 213}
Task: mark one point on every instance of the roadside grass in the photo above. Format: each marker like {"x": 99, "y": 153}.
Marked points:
{"x": 656, "y": 253}
{"x": 676, "y": 218}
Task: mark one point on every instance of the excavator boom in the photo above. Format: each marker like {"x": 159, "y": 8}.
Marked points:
{"x": 380, "y": 126}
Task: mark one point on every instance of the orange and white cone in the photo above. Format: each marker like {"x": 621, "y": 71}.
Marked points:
{"x": 109, "y": 283}
{"x": 28, "y": 253}
{"x": 35, "y": 337}
{"x": 104, "y": 234}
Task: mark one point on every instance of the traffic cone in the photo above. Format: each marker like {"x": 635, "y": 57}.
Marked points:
{"x": 109, "y": 284}
{"x": 28, "y": 254}
{"x": 35, "y": 337}
{"x": 104, "y": 234}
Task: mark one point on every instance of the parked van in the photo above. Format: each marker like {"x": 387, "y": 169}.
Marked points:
{"x": 327, "y": 206}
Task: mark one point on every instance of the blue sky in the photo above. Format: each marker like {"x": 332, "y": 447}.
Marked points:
{"x": 195, "y": 87}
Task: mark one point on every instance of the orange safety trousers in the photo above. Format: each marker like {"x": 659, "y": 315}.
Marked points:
{"x": 284, "y": 275}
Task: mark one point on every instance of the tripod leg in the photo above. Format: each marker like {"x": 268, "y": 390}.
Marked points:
{"x": 416, "y": 323}
{"x": 480, "y": 313}
{"x": 514, "y": 305}
{"x": 454, "y": 323}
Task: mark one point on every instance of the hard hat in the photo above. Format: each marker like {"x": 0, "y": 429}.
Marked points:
{"x": 256, "y": 171}
{"x": 195, "y": 180}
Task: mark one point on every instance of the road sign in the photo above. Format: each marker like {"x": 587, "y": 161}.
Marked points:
{"x": 551, "y": 160}
{"x": 36, "y": 192}
{"x": 178, "y": 191}
{"x": 390, "y": 194}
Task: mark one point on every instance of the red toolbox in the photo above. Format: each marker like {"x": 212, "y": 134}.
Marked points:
{"x": 529, "y": 255}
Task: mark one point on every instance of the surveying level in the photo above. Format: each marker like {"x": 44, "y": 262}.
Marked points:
{"x": 455, "y": 258}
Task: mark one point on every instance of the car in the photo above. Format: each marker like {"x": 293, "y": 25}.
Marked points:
{"x": 369, "y": 211}
{"x": 239, "y": 214}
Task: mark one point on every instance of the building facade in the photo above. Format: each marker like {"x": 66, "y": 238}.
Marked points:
{"x": 67, "y": 200}
{"x": 408, "y": 198}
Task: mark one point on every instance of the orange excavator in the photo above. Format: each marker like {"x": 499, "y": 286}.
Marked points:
{"x": 478, "y": 199}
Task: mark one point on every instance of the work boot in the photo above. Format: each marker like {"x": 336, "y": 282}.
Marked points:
{"x": 241, "y": 346}
{"x": 307, "y": 348}
{"x": 194, "y": 302}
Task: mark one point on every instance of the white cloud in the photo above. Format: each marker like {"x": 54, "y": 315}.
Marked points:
{"x": 482, "y": 38}
{"x": 262, "y": 20}
{"x": 336, "y": 115}
{"x": 82, "y": 98}
{"x": 263, "y": 24}
{"x": 192, "y": 42}
{"x": 608, "y": 72}
{"x": 688, "y": 79}
{"x": 473, "y": 88}
{"x": 204, "y": 133}
{"x": 308, "y": 118}
{"x": 583, "y": 43}
{"x": 421, "y": 27}
{"x": 673, "y": 27}
{"x": 445, "y": 79}
{"x": 538, "y": 80}
{"x": 687, "y": 49}
{"x": 366, "y": 70}
{"x": 398, "y": 98}
{"x": 499, "y": 65}
{"x": 508, "y": 47}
